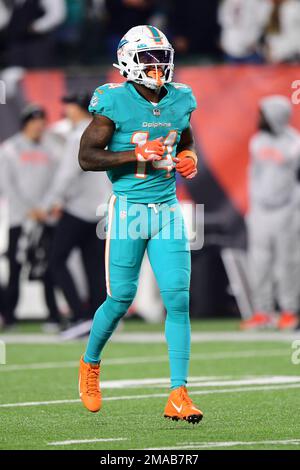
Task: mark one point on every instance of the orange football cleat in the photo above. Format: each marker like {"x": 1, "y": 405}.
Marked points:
{"x": 181, "y": 407}
{"x": 89, "y": 387}
{"x": 288, "y": 321}
{"x": 258, "y": 321}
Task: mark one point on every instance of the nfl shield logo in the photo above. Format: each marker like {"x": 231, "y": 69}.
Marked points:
{"x": 156, "y": 112}
{"x": 123, "y": 215}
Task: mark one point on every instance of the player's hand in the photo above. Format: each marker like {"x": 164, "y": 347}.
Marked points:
{"x": 151, "y": 150}
{"x": 186, "y": 165}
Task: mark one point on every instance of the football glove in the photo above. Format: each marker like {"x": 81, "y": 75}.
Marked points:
{"x": 151, "y": 150}
{"x": 186, "y": 164}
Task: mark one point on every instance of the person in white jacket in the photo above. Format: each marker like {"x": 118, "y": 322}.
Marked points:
{"x": 283, "y": 32}
{"x": 272, "y": 218}
{"x": 242, "y": 25}
{"x": 1, "y": 242}
{"x": 28, "y": 165}
{"x": 28, "y": 27}
{"x": 77, "y": 195}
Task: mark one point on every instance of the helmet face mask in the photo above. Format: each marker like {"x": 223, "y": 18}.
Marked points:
{"x": 146, "y": 57}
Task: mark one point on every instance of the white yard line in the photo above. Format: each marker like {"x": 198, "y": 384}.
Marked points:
{"x": 207, "y": 392}
{"x": 38, "y": 403}
{"x": 86, "y": 441}
{"x": 157, "y": 395}
{"x": 158, "y": 337}
{"x": 209, "y": 445}
{"x": 158, "y": 382}
{"x": 31, "y": 338}
{"x": 250, "y": 381}
{"x": 221, "y": 355}
{"x": 39, "y": 366}
{"x": 200, "y": 382}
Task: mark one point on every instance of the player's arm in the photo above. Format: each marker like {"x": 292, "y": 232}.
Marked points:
{"x": 94, "y": 157}
{"x": 186, "y": 141}
{"x": 186, "y": 157}
{"x": 92, "y": 153}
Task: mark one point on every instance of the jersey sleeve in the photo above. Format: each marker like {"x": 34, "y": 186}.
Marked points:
{"x": 101, "y": 103}
{"x": 185, "y": 96}
{"x": 193, "y": 102}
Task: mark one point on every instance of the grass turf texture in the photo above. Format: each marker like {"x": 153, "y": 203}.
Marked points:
{"x": 244, "y": 416}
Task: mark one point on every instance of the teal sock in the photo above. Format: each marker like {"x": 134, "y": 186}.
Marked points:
{"x": 105, "y": 322}
{"x": 178, "y": 336}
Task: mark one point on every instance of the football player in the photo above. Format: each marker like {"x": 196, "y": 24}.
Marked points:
{"x": 141, "y": 135}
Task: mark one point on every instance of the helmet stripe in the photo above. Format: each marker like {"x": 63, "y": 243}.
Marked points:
{"x": 155, "y": 33}
{"x": 122, "y": 43}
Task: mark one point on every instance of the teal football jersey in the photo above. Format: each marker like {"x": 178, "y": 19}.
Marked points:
{"x": 136, "y": 121}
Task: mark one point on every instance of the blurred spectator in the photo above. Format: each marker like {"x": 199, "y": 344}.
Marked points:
{"x": 92, "y": 42}
{"x": 4, "y": 15}
{"x": 77, "y": 195}
{"x": 194, "y": 26}
{"x": 283, "y": 31}
{"x": 242, "y": 26}
{"x": 1, "y": 286}
{"x": 70, "y": 35}
{"x": 1, "y": 303}
{"x": 272, "y": 228}
{"x": 123, "y": 15}
{"x": 4, "y": 19}
{"x": 28, "y": 164}
{"x": 29, "y": 27}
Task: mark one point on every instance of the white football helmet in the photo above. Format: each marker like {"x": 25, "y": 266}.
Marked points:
{"x": 145, "y": 56}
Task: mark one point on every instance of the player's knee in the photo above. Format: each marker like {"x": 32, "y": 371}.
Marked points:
{"x": 175, "y": 292}
{"x": 176, "y": 302}
{"x": 123, "y": 291}
{"x": 115, "y": 309}
{"x": 176, "y": 280}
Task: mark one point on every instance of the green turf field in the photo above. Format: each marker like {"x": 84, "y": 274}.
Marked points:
{"x": 249, "y": 392}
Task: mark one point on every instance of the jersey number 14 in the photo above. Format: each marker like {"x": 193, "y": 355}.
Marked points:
{"x": 166, "y": 163}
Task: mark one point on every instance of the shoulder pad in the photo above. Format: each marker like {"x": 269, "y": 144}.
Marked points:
{"x": 183, "y": 89}
{"x": 181, "y": 86}
{"x": 102, "y": 99}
